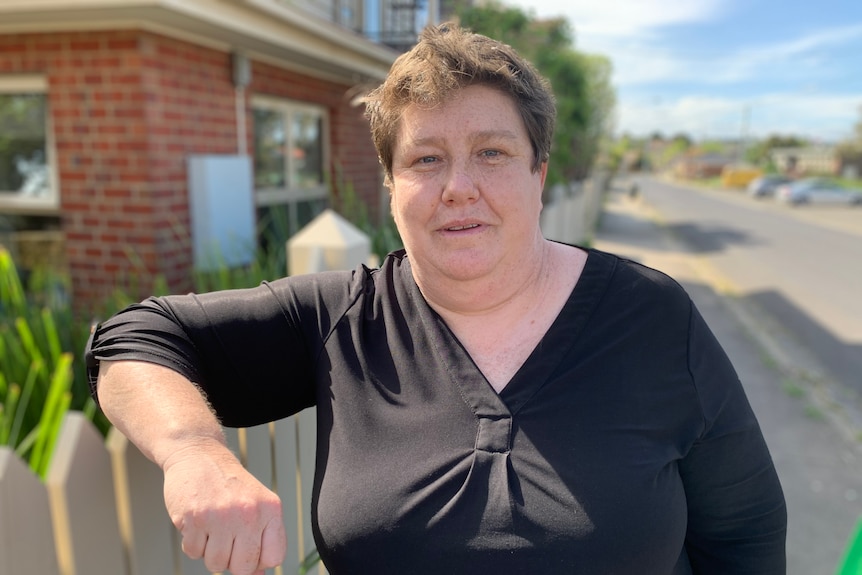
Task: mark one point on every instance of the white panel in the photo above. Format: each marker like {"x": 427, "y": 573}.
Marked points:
{"x": 222, "y": 211}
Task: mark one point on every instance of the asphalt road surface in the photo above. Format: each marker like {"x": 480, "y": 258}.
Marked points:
{"x": 801, "y": 265}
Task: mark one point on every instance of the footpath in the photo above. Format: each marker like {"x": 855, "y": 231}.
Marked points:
{"x": 818, "y": 457}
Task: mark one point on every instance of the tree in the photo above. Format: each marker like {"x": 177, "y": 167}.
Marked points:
{"x": 676, "y": 148}
{"x": 601, "y": 102}
{"x": 682, "y": 139}
{"x": 581, "y": 82}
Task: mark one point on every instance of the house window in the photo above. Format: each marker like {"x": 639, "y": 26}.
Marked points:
{"x": 290, "y": 155}
{"x": 27, "y": 180}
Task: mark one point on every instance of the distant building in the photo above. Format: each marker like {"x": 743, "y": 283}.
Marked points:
{"x": 102, "y": 105}
{"x": 695, "y": 165}
{"x": 807, "y": 160}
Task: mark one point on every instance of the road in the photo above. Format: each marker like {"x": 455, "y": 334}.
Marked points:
{"x": 801, "y": 265}
{"x": 704, "y": 239}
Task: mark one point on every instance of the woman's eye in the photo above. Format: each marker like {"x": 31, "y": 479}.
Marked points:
{"x": 491, "y": 153}
{"x": 427, "y": 160}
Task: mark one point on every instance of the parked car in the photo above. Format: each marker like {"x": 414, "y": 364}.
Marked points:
{"x": 766, "y": 185}
{"x": 817, "y": 190}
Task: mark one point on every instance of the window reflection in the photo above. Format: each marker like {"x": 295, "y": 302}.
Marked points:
{"x": 23, "y": 144}
{"x": 270, "y": 142}
{"x": 307, "y": 149}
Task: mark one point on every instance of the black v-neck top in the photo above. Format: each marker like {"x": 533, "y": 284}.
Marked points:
{"x": 624, "y": 444}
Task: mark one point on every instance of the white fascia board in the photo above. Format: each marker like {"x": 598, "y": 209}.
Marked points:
{"x": 267, "y": 27}
{"x": 281, "y": 26}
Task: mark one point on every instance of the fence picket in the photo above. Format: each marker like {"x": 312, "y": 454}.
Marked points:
{"x": 286, "y": 470}
{"x": 26, "y": 534}
{"x": 145, "y": 527}
{"x": 305, "y": 463}
{"x": 81, "y": 492}
{"x": 258, "y": 457}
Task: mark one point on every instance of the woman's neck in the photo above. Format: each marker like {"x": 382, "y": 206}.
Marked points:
{"x": 508, "y": 287}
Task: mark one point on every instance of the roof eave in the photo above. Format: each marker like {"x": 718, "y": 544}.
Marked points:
{"x": 274, "y": 29}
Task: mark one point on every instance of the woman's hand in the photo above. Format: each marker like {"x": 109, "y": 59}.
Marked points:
{"x": 225, "y": 515}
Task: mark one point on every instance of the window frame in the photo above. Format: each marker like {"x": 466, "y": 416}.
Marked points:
{"x": 50, "y": 203}
{"x": 290, "y": 193}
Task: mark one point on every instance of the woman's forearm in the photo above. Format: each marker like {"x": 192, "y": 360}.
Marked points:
{"x": 159, "y": 410}
{"x": 225, "y": 515}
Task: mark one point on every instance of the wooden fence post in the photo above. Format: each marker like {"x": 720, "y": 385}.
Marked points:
{"x": 286, "y": 473}
{"x": 26, "y": 536}
{"x": 83, "y": 508}
{"x": 145, "y": 527}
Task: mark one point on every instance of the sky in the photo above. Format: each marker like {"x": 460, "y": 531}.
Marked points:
{"x": 725, "y": 68}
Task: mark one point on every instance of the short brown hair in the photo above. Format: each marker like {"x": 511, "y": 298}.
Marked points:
{"x": 448, "y": 58}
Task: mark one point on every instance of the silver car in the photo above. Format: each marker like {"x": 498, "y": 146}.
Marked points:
{"x": 819, "y": 191}
{"x": 766, "y": 185}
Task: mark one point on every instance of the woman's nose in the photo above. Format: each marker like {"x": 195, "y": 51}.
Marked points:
{"x": 460, "y": 186}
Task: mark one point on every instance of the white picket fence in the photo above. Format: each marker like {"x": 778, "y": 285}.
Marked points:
{"x": 571, "y": 212}
{"x": 101, "y": 510}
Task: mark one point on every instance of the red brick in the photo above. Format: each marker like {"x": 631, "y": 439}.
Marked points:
{"x": 47, "y": 45}
{"x": 84, "y": 44}
{"x": 118, "y": 44}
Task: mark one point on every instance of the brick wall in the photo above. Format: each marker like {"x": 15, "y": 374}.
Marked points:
{"x": 128, "y": 107}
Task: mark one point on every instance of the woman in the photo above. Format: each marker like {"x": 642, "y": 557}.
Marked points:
{"x": 488, "y": 401}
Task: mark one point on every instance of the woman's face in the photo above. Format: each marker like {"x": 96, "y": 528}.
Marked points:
{"x": 463, "y": 195}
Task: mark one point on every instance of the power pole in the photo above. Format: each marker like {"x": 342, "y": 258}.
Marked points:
{"x": 743, "y": 134}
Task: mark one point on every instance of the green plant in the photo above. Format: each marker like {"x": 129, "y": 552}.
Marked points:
{"x": 37, "y": 380}
{"x": 270, "y": 261}
{"x": 312, "y": 559}
{"x": 384, "y": 237}
{"x": 792, "y": 388}
{"x": 814, "y": 413}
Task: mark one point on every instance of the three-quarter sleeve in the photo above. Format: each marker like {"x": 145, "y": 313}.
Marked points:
{"x": 737, "y": 517}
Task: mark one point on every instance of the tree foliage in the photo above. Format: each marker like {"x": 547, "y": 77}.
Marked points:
{"x": 581, "y": 82}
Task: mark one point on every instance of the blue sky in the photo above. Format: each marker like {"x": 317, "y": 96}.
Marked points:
{"x": 725, "y": 68}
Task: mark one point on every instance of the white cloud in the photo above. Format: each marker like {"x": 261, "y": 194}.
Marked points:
{"x": 821, "y": 116}
{"x": 643, "y": 62}
{"x": 625, "y": 18}
{"x": 629, "y": 33}
{"x": 798, "y": 55}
